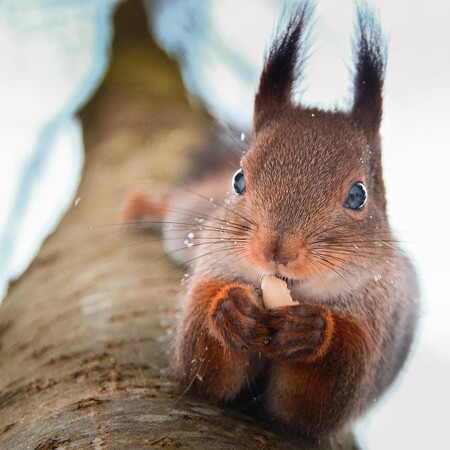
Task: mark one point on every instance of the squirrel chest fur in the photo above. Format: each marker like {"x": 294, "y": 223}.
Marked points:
{"x": 306, "y": 204}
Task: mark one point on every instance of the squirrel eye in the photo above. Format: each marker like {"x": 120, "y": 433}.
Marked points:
{"x": 357, "y": 197}
{"x": 239, "y": 182}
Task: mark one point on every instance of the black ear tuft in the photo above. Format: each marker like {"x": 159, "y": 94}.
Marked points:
{"x": 281, "y": 68}
{"x": 370, "y": 58}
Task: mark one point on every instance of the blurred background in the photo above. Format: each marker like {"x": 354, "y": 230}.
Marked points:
{"x": 54, "y": 55}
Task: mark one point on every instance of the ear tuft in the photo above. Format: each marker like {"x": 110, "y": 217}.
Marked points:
{"x": 370, "y": 58}
{"x": 282, "y": 64}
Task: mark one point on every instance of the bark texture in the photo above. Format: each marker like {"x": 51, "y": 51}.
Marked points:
{"x": 84, "y": 334}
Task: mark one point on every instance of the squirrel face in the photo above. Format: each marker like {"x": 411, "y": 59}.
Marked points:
{"x": 311, "y": 181}
{"x": 309, "y": 189}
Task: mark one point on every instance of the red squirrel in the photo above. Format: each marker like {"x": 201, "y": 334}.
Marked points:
{"x": 308, "y": 206}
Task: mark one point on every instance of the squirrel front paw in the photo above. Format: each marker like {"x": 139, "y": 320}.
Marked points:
{"x": 300, "y": 331}
{"x": 236, "y": 320}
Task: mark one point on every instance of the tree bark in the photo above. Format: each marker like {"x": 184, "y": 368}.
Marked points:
{"x": 84, "y": 334}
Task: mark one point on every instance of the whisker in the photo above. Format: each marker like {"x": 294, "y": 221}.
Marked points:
{"x": 367, "y": 255}
{"x": 211, "y": 200}
{"x": 254, "y": 398}
{"x": 225, "y": 129}
{"x": 188, "y": 226}
{"x": 382, "y": 280}
{"x": 326, "y": 263}
{"x": 209, "y": 253}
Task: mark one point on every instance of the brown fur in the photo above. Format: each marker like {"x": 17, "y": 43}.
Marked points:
{"x": 328, "y": 359}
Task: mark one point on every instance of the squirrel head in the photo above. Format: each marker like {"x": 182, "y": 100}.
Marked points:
{"x": 312, "y": 181}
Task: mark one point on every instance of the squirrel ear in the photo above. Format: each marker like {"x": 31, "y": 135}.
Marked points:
{"x": 281, "y": 67}
{"x": 370, "y": 58}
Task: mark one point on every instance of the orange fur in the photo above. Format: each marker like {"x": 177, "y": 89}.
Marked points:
{"x": 314, "y": 396}
{"x": 213, "y": 356}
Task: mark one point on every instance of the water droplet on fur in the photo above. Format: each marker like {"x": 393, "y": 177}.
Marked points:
{"x": 242, "y": 137}
{"x": 377, "y": 277}
{"x": 188, "y": 244}
{"x": 199, "y": 377}
{"x": 191, "y": 235}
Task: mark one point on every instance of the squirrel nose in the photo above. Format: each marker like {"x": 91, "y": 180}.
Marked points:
{"x": 280, "y": 251}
